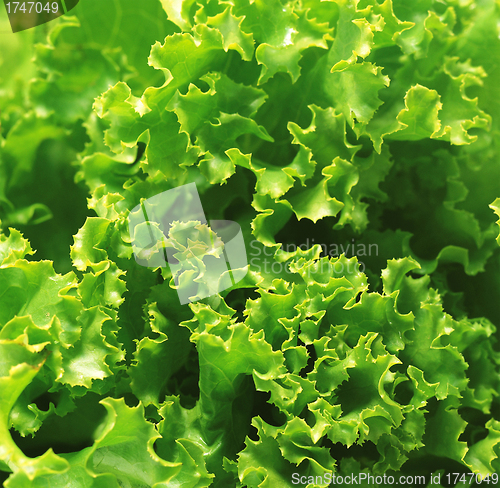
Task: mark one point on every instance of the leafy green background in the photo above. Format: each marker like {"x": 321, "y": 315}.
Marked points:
{"x": 345, "y": 122}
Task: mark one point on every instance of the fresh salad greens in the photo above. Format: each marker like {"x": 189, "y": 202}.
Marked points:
{"x": 355, "y": 142}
